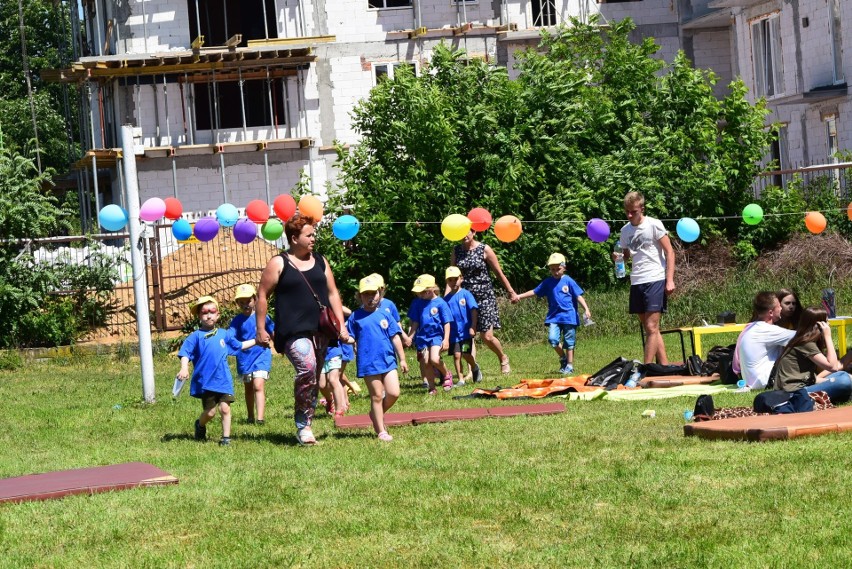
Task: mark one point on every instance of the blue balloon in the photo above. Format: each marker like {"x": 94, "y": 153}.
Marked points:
{"x": 182, "y": 230}
{"x": 688, "y": 230}
{"x": 227, "y": 215}
{"x": 112, "y": 217}
{"x": 346, "y": 227}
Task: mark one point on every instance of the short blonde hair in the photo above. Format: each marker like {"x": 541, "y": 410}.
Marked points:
{"x": 634, "y": 198}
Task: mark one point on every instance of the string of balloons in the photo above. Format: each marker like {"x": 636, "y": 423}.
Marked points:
{"x": 454, "y": 227}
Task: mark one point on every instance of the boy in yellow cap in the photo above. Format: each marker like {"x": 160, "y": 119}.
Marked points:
{"x": 563, "y": 294}
{"x": 208, "y": 349}
{"x": 430, "y": 327}
{"x": 465, "y": 313}
{"x": 254, "y": 364}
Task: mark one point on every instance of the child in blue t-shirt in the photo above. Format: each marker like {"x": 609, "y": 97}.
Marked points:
{"x": 334, "y": 395}
{"x": 208, "y": 349}
{"x": 430, "y": 328}
{"x": 377, "y": 337}
{"x": 465, "y": 311}
{"x": 563, "y": 294}
{"x": 253, "y": 364}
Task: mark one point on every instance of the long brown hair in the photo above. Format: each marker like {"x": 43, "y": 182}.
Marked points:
{"x": 793, "y": 321}
{"x": 808, "y": 330}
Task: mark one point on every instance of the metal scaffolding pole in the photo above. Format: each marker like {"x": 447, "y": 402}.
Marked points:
{"x": 224, "y": 183}
{"x": 97, "y": 25}
{"x": 174, "y": 176}
{"x": 166, "y": 106}
{"x": 242, "y": 103}
{"x": 265, "y": 21}
{"x": 95, "y": 183}
{"x": 266, "y": 173}
{"x": 140, "y": 278}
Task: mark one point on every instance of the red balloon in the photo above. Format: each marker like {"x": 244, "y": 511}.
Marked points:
{"x": 480, "y": 219}
{"x": 257, "y": 211}
{"x": 284, "y": 206}
{"x": 174, "y": 209}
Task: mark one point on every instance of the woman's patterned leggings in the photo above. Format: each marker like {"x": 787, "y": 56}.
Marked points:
{"x": 304, "y": 354}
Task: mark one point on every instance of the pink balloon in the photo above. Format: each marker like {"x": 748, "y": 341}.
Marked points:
{"x": 152, "y": 210}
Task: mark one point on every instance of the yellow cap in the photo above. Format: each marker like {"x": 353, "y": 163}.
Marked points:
{"x": 202, "y": 300}
{"x": 423, "y": 282}
{"x": 452, "y": 272}
{"x": 245, "y": 291}
{"x": 379, "y": 279}
{"x": 556, "y": 259}
{"x": 369, "y": 284}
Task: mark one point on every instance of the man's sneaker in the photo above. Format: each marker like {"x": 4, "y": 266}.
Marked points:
{"x": 200, "y": 431}
{"x": 477, "y": 374}
{"x": 225, "y": 441}
{"x": 305, "y": 436}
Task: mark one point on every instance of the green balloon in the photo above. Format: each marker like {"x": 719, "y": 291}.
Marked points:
{"x": 752, "y": 214}
{"x": 272, "y": 230}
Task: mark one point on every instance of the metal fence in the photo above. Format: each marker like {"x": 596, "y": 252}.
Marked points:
{"x": 836, "y": 174}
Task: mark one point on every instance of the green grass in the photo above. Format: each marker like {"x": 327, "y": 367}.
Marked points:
{"x": 597, "y": 486}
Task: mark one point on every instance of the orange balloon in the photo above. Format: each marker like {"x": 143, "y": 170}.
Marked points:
{"x": 508, "y": 228}
{"x": 815, "y": 222}
{"x": 310, "y": 206}
{"x": 849, "y": 212}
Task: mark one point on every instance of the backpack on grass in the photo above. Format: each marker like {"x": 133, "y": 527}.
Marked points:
{"x": 613, "y": 374}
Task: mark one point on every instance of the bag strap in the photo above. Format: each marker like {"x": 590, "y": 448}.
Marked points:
{"x": 321, "y": 305}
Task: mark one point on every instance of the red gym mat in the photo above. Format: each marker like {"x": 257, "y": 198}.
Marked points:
{"x": 421, "y": 417}
{"x": 678, "y": 380}
{"x": 82, "y": 481}
{"x": 774, "y": 427}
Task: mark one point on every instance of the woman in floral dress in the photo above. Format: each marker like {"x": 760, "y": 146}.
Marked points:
{"x": 475, "y": 259}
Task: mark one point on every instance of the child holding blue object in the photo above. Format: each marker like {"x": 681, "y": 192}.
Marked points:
{"x": 253, "y": 364}
{"x": 430, "y": 328}
{"x": 208, "y": 349}
{"x": 379, "y": 347}
{"x": 465, "y": 313}
{"x": 563, "y": 294}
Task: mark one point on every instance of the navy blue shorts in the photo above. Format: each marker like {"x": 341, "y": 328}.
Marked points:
{"x": 648, "y": 297}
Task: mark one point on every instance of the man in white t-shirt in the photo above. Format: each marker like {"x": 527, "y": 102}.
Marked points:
{"x": 761, "y": 342}
{"x": 647, "y": 242}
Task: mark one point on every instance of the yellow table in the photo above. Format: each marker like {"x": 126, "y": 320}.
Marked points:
{"x": 698, "y": 332}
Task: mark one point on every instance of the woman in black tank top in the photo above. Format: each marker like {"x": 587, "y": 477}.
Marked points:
{"x": 297, "y": 315}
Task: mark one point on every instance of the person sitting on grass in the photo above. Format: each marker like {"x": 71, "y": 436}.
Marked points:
{"x": 255, "y": 363}
{"x": 563, "y": 294}
{"x": 810, "y": 351}
{"x": 791, "y": 308}
{"x": 377, "y": 337}
{"x": 761, "y": 342}
{"x": 208, "y": 349}
{"x": 430, "y": 328}
{"x": 465, "y": 313}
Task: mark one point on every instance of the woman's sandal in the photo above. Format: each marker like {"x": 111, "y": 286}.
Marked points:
{"x": 504, "y": 366}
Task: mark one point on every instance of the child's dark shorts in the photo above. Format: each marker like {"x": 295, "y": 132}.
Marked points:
{"x": 210, "y": 399}
{"x": 463, "y": 347}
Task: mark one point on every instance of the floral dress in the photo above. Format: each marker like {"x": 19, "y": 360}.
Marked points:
{"x": 477, "y": 280}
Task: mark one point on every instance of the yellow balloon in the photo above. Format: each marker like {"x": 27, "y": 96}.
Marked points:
{"x": 455, "y": 226}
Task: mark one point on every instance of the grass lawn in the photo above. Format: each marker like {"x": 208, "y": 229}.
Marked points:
{"x": 597, "y": 486}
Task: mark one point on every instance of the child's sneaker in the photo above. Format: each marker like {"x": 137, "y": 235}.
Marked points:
{"x": 200, "y": 431}
{"x": 460, "y": 383}
{"x": 433, "y": 391}
{"x": 385, "y": 437}
{"x": 563, "y": 361}
{"x": 567, "y": 368}
{"x": 260, "y": 422}
{"x": 477, "y": 374}
{"x": 225, "y": 441}
{"x": 448, "y": 383}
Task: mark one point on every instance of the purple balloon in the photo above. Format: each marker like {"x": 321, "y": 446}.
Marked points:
{"x": 206, "y": 228}
{"x": 598, "y": 230}
{"x": 245, "y": 231}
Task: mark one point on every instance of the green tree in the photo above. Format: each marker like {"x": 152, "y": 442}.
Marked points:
{"x": 591, "y": 117}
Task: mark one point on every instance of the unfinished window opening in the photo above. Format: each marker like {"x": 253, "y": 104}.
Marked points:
{"x": 389, "y": 3}
{"x": 778, "y": 154}
{"x": 768, "y": 63}
{"x": 256, "y": 93}
{"x": 836, "y": 44}
{"x": 222, "y": 19}
{"x": 383, "y": 71}
{"x": 831, "y": 136}
{"x": 543, "y": 13}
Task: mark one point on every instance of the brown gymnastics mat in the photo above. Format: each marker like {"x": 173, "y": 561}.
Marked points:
{"x": 421, "y": 417}
{"x": 678, "y": 380}
{"x": 774, "y": 427}
{"x": 82, "y": 481}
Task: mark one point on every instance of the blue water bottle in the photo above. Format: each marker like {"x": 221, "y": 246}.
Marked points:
{"x": 634, "y": 378}
{"x": 620, "y": 270}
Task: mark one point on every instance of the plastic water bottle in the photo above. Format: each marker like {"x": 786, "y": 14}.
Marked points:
{"x": 620, "y": 271}
{"x": 587, "y": 321}
{"x": 634, "y": 378}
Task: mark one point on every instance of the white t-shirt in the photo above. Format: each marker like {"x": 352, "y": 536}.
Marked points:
{"x": 760, "y": 345}
{"x": 643, "y": 242}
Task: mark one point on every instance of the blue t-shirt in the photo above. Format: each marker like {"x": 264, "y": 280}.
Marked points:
{"x": 374, "y": 332}
{"x": 333, "y": 351}
{"x": 208, "y": 350}
{"x": 462, "y": 304}
{"x": 347, "y": 352}
{"x": 256, "y": 358}
{"x": 561, "y": 299}
{"x": 430, "y": 315}
{"x": 389, "y": 308}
